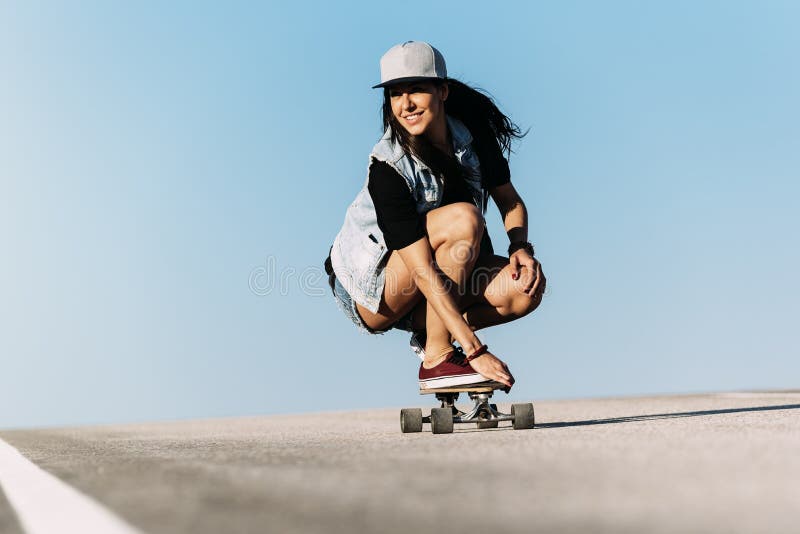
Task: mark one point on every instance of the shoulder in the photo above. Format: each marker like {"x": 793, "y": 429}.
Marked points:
{"x": 386, "y": 149}
{"x": 382, "y": 171}
{"x": 385, "y": 180}
{"x": 494, "y": 164}
{"x": 488, "y": 148}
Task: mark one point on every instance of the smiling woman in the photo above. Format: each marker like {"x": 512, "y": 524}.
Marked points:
{"x": 413, "y": 252}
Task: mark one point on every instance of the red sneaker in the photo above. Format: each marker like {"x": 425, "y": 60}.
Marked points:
{"x": 453, "y": 371}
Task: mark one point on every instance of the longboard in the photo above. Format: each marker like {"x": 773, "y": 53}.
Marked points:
{"x": 484, "y": 414}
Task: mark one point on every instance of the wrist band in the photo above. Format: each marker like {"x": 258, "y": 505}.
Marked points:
{"x": 480, "y": 351}
{"x": 517, "y": 245}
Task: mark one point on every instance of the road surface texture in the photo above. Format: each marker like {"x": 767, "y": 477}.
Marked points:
{"x": 726, "y": 462}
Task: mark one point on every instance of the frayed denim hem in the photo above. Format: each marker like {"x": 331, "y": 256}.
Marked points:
{"x": 348, "y": 307}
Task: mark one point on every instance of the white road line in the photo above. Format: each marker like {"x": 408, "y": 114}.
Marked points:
{"x": 46, "y": 505}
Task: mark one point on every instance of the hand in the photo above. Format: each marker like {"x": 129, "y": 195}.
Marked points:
{"x": 493, "y": 368}
{"x": 534, "y": 276}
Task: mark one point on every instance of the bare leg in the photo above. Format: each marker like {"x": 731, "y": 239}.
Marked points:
{"x": 492, "y": 298}
{"x": 451, "y": 228}
{"x": 455, "y": 257}
{"x": 495, "y": 297}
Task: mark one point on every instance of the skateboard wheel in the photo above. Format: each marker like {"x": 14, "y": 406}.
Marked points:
{"x": 410, "y": 420}
{"x": 442, "y": 420}
{"x": 523, "y": 416}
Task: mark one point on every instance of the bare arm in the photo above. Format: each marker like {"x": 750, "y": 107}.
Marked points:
{"x": 419, "y": 260}
{"x": 515, "y": 219}
{"x": 512, "y": 210}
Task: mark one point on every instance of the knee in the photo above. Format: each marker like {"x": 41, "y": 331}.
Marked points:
{"x": 522, "y": 304}
{"x": 465, "y": 224}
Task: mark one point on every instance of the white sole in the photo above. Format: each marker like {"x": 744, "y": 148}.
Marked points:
{"x": 450, "y": 381}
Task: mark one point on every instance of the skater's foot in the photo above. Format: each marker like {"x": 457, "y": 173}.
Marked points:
{"x": 452, "y": 370}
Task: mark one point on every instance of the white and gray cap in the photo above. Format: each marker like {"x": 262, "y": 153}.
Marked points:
{"x": 411, "y": 61}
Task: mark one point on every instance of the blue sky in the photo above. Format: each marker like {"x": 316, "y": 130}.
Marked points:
{"x": 156, "y": 160}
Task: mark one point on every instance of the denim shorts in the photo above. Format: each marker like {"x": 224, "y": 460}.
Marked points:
{"x": 348, "y": 306}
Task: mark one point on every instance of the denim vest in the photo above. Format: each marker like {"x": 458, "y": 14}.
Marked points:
{"x": 359, "y": 252}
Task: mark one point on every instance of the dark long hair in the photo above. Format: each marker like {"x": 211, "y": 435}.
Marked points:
{"x": 490, "y": 128}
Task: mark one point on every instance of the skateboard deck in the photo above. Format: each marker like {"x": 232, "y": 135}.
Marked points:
{"x": 480, "y": 387}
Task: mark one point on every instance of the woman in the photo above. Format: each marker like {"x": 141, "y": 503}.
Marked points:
{"x": 413, "y": 252}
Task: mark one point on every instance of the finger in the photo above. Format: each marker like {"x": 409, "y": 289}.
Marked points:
{"x": 511, "y": 380}
{"x": 539, "y": 277}
{"x": 505, "y": 375}
{"x": 503, "y": 381}
{"x": 510, "y": 376}
{"x": 508, "y": 387}
{"x": 540, "y": 281}
{"x": 499, "y": 376}
{"x": 530, "y": 282}
{"x": 514, "y": 263}
{"x": 494, "y": 370}
{"x": 529, "y": 262}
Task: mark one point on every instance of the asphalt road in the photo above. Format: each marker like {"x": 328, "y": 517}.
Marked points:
{"x": 702, "y": 463}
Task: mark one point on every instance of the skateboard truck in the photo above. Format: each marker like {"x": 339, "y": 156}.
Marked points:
{"x": 483, "y": 413}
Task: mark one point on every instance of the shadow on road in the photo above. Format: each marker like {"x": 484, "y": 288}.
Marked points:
{"x": 652, "y": 417}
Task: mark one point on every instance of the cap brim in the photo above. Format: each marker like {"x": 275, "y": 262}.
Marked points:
{"x": 407, "y": 80}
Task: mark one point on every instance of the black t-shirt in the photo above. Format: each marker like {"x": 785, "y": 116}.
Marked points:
{"x": 395, "y": 205}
